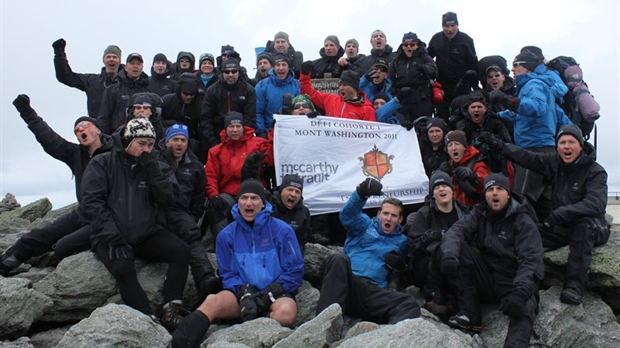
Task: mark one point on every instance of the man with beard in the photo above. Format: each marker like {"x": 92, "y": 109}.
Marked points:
{"x": 160, "y": 83}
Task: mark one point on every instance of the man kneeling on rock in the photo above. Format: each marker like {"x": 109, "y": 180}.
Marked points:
{"x": 374, "y": 251}
{"x": 261, "y": 268}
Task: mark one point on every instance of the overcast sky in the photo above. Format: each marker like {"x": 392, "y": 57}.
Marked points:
{"x": 588, "y": 31}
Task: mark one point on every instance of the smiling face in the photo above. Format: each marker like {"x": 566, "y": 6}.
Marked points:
{"x": 290, "y": 196}
{"x": 569, "y": 148}
{"x": 390, "y": 216}
{"x": 281, "y": 45}
{"x": 160, "y": 67}
{"x": 497, "y": 197}
{"x": 206, "y": 67}
{"x": 495, "y": 79}
{"x": 249, "y": 205}
{"x": 378, "y": 103}
{"x": 456, "y": 151}
{"x": 142, "y": 111}
{"x": 476, "y": 112}
{"x": 234, "y": 131}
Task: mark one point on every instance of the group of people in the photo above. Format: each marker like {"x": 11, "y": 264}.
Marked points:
{"x": 508, "y": 175}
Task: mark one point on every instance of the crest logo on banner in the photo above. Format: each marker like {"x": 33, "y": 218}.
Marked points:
{"x": 376, "y": 163}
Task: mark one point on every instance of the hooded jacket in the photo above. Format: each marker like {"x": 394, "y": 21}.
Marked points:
{"x": 160, "y": 84}
{"x": 366, "y": 62}
{"x": 112, "y": 112}
{"x": 176, "y": 70}
{"x": 415, "y": 72}
{"x": 327, "y": 64}
{"x": 335, "y": 106}
{"x": 298, "y": 217}
{"x": 370, "y": 89}
{"x": 367, "y": 244}
{"x": 191, "y": 180}
{"x": 511, "y": 246}
{"x": 479, "y": 168}
{"x": 259, "y": 254}
{"x": 269, "y": 94}
{"x": 223, "y": 169}
{"x": 538, "y": 116}
{"x": 174, "y": 110}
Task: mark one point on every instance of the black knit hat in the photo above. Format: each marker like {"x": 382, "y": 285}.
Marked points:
{"x": 439, "y": 178}
{"x": 230, "y": 63}
{"x": 293, "y": 180}
{"x": 536, "y": 50}
{"x": 496, "y": 179}
{"x": 351, "y": 78}
{"x": 382, "y": 95}
{"x": 570, "y": 129}
{"x": 449, "y": 18}
{"x": 410, "y": 38}
{"x": 436, "y": 122}
{"x": 87, "y": 119}
{"x": 233, "y": 117}
{"x": 252, "y": 186}
{"x": 160, "y": 57}
{"x": 189, "y": 82}
{"x": 265, "y": 55}
{"x": 334, "y": 39}
{"x": 528, "y": 60}
{"x": 282, "y": 57}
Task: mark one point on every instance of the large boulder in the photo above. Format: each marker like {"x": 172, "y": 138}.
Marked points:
{"x": 20, "y": 306}
{"x": 257, "y": 333}
{"x": 30, "y": 212}
{"x": 319, "y": 332}
{"x": 22, "y": 342}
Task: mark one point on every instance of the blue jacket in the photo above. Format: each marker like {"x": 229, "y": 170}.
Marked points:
{"x": 269, "y": 92}
{"x": 367, "y": 244}
{"x": 260, "y": 254}
{"x": 371, "y": 90}
{"x": 538, "y": 115}
{"x": 387, "y": 113}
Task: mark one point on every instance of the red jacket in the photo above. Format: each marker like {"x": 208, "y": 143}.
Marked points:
{"x": 335, "y": 106}
{"x": 480, "y": 168}
{"x": 225, "y": 160}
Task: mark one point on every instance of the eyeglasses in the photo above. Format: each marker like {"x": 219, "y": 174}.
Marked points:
{"x": 82, "y": 126}
{"x": 230, "y": 71}
{"x": 410, "y": 44}
{"x": 141, "y": 107}
{"x": 301, "y": 105}
{"x": 189, "y": 94}
{"x": 516, "y": 64}
{"x": 493, "y": 75}
{"x": 179, "y": 126}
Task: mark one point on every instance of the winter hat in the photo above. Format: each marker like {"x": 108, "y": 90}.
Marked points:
{"x": 252, "y": 186}
{"x": 281, "y": 57}
{"x": 230, "y": 63}
{"x": 233, "y": 117}
{"x": 458, "y": 136}
{"x": 496, "y": 179}
{"x": 188, "y": 55}
{"x": 410, "y": 38}
{"x": 473, "y": 97}
{"x": 145, "y": 98}
{"x": 351, "y": 78}
{"x": 354, "y": 42}
{"x": 439, "y": 178}
{"x": 436, "y": 122}
{"x": 227, "y": 48}
{"x": 570, "y": 129}
{"x": 134, "y": 56}
{"x": 382, "y": 95}
{"x": 281, "y": 35}
{"x": 303, "y": 98}
{"x": 177, "y": 129}
{"x": 334, "y": 39}
{"x": 160, "y": 57}
{"x": 265, "y": 55}
{"x": 536, "y": 50}
{"x": 206, "y": 56}
{"x": 189, "y": 82}
{"x": 138, "y": 127}
{"x": 449, "y": 18}
{"x": 377, "y": 31}
{"x": 381, "y": 63}
{"x": 87, "y": 119}
{"x": 528, "y": 59}
{"x": 114, "y": 50}
{"x": 292, "y": 180}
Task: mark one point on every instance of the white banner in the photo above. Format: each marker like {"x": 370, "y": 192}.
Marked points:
{"x": 333, "y": 155}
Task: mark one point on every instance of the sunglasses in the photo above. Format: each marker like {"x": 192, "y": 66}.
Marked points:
{"x": 179, "y": 126}
{"x": 230, "y": 71}
{"x": 82, "y": 126}
{"x": 494, "y": 75}
{"x": 516, "y": 64}
{"x": 410, "y": 44}
{"x": 141, "y": 107}
{"x": 189, "y": 94}
{"x": 301, "y": 105}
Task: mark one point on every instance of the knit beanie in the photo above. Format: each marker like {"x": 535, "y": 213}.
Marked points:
{"x": 230, "y": 63}
{"x": 496, "y": 179}
{"x": 177, "y": 129}
{"x": 233, "y": 117}
{"x": 528, "y": 59}
{"x": 536, "y": 50}
{"x": 281, "y": 57}
{"x": 439, "y": 178}
{"x": 303, "y": 98}
{"x": 138, "y": 127}
{"x": 87, "y": 119}
{"x": 114, "y": 50}
{"x": 383, "y": 96}
{"x": 449, "y": 18}
{"x": 281, "y": 35}
{"x": 206, "y": 56}
{"x": 334, "y": 39}
{"x": 189, "y": 82}
{"x": 570, "y": 129}
{"x": 160, "y": 57}
{"x": 265, "y": 55}
{"x": 436, "y": 122}
{"x": 351, "y": 78}
{"x": 410, "y": 38}
{"x": 458, "y": 136}
{"x": 292, "y": 180}
{"x": 252, "y": 186}
{"x": 354, "y": 42}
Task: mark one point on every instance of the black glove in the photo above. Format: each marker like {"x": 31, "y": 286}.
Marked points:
{"x": 369, "y": 187}
{"x": 306, "y": 67}
{"x": 59, "y": 45}
{"x": 262, "y": 135}
{"x": 465, "y": 187}
{"x": 312, "y": 114}
{"x": 464, "y": 174}
{"x": 121, "y": 251}
{"x": 218, "y": 202}
{"x": 22, "y": 103}
{"x": 495, "y": 144}
{"x": 433, "y": 235}
{"x": 450, "y": 267}
{"x": 371, "y": 74}
{"x": 424, "y": 69}
{"x": 265, "y": 298}
{"x": 211, "y": 285}
{"x": 404, "y": 94}
{"x": 287, "y": 100}
{"x": 513, "y": 103}
{"x": 148, "y": 161}
{"x": 471, "y": 76}
{"x": 247, "y": 306}
{"x": 445, "y": 167}
{"x": 251, "y": 166}
{"x": 513, "y": 304}
{"x": 395, "y": 262}
{"x": 497, "y": 97}
{"x": 408, "y": 124}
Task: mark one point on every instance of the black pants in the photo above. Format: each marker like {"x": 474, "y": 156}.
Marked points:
{"x": 162, "y": 246}
{"x": 360, "y": 298}
{"x": 478, "y": 283}
{"x": 531, "y": 185}
{"x": 183, "y": 225}
{"x": 67, "y": 235}
{"x": 581, "y": 236}
{"x": 218, "y": 218}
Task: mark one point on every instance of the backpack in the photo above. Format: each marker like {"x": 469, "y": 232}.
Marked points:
{"x": 579, "y": 105}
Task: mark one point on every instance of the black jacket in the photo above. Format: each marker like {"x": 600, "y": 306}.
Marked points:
{"x": 114, "y": 104}
{"x": 174, "y": 110}
{"x": 298, "y": 217}
{"x": 74, "y": 155}
{"x": 161, "y": 84}
{"x": 355, "y": 64}
{"x": 430, "y": 158}
{"x": 192, "y": 182}
{"x": 578, "y": 189}
{"x": 416, "y": 71}
{"x": 93, "y": 84}
{"x": 454, "y": 57}
{"x": 327, "y": 64}
{"x": 510, "y": 246}
{"x": 367, "y": 62}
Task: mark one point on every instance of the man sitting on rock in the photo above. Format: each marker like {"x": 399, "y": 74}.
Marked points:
{"x": 261, "y": 267}
{"x": 374, "y": 251}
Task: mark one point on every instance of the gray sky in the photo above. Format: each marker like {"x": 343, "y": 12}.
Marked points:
{"x": 588, "y": 31}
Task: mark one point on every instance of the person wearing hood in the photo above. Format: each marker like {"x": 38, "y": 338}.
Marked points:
{"x": 92, "y": 84}
{"x": 578, "y": 201}
{"x": 265, "y": 284}
{"x": 264, "y": 63}
{"x": 432, "y": 145}
{"x": 269, "y": 92}
{"x": 132, "y": 80}
{"x": 69, "y": 233}
{"x": 288, "y": 205}
{"x": 352, "y": 58}
{"x": 146, "y": 104}
{"x": 160, "y": 83}
{"x": 380, "y": 49}
{"x": 494, "y": 254}
{"x": 374, "y": 253}
{"x": 186, "y": 62}
{"x": 206, "y": 72}
{"x": 282, "y": 44}
{"x": 327, "y": 66}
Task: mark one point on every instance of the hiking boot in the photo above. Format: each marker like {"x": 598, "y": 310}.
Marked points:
{"x": 173, "y": 315}
{"x": 8, "y": 263}
{"x": 571, "y": 296}
{"x": 436, "y": 308}
{"x": 191, "y": 331}
{"x": 462, "y": 321}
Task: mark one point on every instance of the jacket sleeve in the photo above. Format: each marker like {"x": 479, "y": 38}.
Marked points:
{"x": 538, "y": 162}
{"x": 416, "y": 241}
{"x": 249, "y": 108}
{"x": 385, "y": 112}
{"x": 456, "y": 235}
{"x": 213, "y": 172}
{"x": 164, "y": 186}
{"x": 528, "y": 249}
{"x": 533, "y": 100}
{"x": 306, "y": 88}
{"x": 207, "y": 118}
{"x": 105, "y": 111}
{"x": 65, "y": 75}
{"x": 352, "y": 217}
{"x": 593, "y": 203}
{"x": 432, "y": 66}
{"x": 261, "y": 108}
{"x": 196, "y": 205}
{"x": 53, "y": 144}
{"x": 291, "y": 259}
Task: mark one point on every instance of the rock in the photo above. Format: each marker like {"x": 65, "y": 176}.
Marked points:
{"x": 49, "y": 338}
{"x": 257, "y": 333}
{"x": 314, "y": 256}
{"x": 307, "y": 299}
{"x": 11, "y": 230}
{"x": 22, "y": 342}
{"x": 36, "y": 274}
{"x": 30, "y": 212}
{"x": 116, "y": 326}
{"x": 20, "y": 306}
{"x": 9, "y": 203}
{"x": 319, "y": 332}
